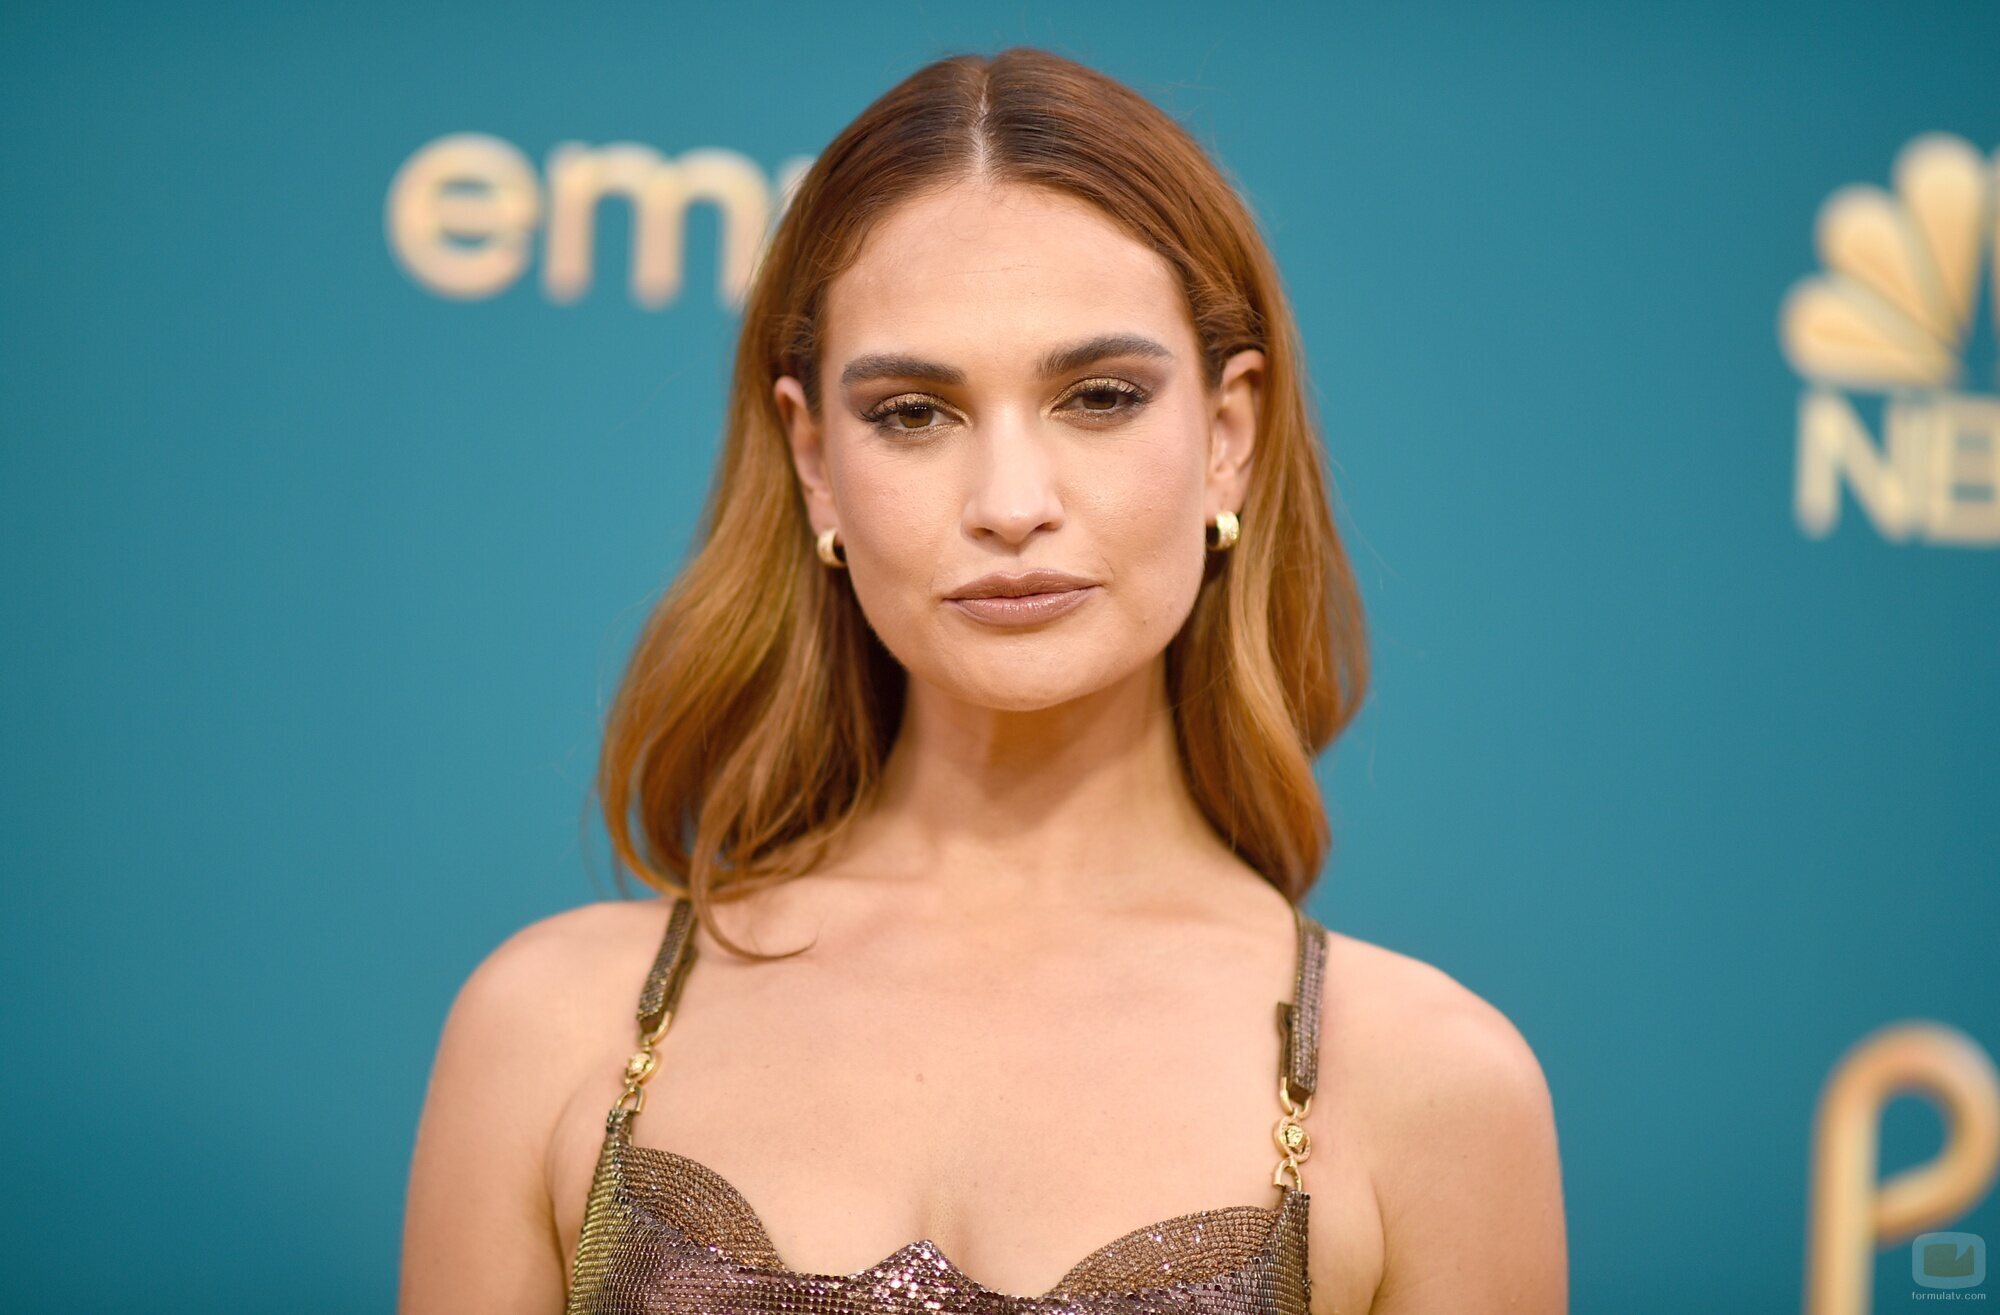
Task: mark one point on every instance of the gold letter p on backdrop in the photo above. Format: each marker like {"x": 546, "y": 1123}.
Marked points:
{"x": 1851, "y": 1215}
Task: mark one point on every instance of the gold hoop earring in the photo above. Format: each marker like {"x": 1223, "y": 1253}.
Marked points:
{"x": 1227, "y": 528}
{"x": 828, "y": 545}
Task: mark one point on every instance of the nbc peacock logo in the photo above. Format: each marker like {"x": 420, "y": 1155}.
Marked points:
{"x": 1888, "y": 327}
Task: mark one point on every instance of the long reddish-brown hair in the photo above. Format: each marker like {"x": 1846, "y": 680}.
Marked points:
{"x": 757, "y": 708}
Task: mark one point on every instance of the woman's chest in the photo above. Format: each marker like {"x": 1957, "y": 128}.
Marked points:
{"x": 1016, "y": 1174}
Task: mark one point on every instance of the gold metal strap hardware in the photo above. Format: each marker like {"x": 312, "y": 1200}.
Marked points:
{"x": 639, "y": 1069}
{"x": 1294, "y": 1142}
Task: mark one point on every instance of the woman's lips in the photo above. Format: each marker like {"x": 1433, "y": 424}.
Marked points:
{"x": 1025, "y": 609}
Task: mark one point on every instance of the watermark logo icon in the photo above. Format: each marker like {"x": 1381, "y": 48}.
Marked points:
{"x": 1948, "y": 1260}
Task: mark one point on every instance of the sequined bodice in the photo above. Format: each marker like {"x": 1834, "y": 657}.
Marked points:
{"x": 665, "y": 1233}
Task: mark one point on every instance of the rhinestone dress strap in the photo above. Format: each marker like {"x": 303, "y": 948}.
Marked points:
{"x": 670, "y": 967}
{"x": 1298, "y": 1052}
{"x": 661, "y": 993}
{"x": 1298, "y": 1018}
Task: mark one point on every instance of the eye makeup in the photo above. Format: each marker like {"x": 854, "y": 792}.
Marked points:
{"x": 1126, "y": 399}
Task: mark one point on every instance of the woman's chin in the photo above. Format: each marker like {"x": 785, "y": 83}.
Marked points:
{"x": 1013, "y": 689}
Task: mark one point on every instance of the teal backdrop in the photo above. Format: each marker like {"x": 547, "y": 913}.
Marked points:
{"x": 316, "y": 581}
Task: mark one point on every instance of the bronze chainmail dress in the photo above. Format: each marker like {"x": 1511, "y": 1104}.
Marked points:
{"x": 663, "y": 1233}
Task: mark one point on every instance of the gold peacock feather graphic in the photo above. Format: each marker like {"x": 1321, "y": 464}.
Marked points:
{"x": 1900, "y": 283}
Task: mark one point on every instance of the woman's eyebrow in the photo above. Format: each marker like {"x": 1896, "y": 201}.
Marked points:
{"x": 897, "y": 365}
{"x": 1090, "y": 350}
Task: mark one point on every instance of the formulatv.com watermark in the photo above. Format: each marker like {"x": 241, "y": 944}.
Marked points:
{"x": 1948, "y": 1267}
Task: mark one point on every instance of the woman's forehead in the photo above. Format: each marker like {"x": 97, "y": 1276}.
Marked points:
{"x": 1010, "y": 270}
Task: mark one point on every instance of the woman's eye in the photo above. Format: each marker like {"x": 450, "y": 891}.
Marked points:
{"x": 892, "y": 415}
{"x": 1108, "y": 397}
{"x": 1105, "y": 398}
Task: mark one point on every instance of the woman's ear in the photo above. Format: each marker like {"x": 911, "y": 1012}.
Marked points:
{"x": 1239, "y": 399}
{"x": 803, "y": 435}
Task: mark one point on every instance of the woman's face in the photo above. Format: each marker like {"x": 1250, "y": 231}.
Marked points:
{"x": 1013, "y": 384}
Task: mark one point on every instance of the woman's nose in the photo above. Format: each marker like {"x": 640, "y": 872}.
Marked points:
{"x": 1013, "y": 477}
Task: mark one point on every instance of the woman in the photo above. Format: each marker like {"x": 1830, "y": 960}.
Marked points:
{"x": 989, "y": 698}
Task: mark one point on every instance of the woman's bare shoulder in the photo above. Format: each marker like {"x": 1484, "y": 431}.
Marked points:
{"x": 1410, "y": 1029}
{"x": 1457, "y": 1126}
{"x": 580, "y": 936}
{"x": 514, "y": 1043}
{"x": 562, "y": 965}
{"x": 550, "y": 995}
{"x": 1399, "y": 988}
